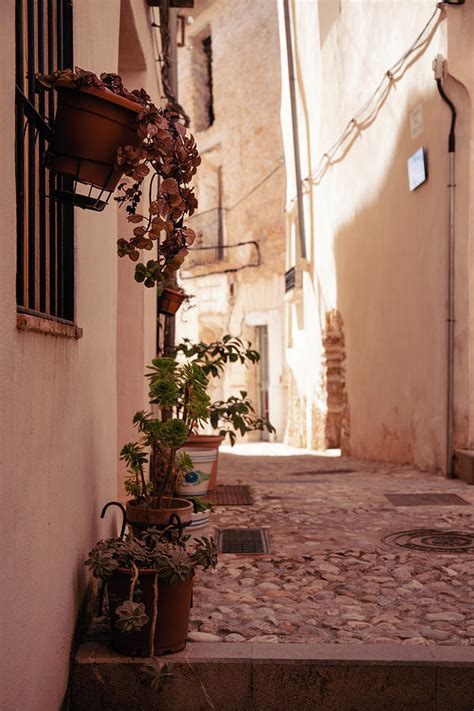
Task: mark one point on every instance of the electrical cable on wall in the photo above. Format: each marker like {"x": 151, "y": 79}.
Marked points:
{"x": 367, "y": 114}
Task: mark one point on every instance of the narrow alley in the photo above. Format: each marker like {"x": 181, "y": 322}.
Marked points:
{"x": 337, "y": 571}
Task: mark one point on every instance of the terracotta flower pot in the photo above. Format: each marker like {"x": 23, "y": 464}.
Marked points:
{"x": 174, "y": 602}
{"x": 90, "y": 125}
{"x": 170, "y": 301}
{"x": 204, "y": 441}
{"x": 139, "y": 518}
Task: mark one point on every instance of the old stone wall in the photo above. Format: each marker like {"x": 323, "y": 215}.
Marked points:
{"x": 242, "y": 172}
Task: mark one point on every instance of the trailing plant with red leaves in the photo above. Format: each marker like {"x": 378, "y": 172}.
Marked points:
{"x": 167, "y": 152}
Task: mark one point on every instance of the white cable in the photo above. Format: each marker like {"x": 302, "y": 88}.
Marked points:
{"x": 384, "y": 87}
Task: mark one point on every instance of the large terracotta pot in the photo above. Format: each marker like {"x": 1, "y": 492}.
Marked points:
{"x": 205, "y": 441}
{"x": 90, "y": 125}
{"x": 174, "y": 602}
{"x": 170, "y": 301}
{"x": 139, "y": 518}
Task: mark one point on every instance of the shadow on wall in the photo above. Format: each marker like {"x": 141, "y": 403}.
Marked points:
{"x": 391, "y": 269}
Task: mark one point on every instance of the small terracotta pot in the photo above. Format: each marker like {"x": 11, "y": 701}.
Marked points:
{"x": 139, "y": 518}
{"x": 89, "y": 126}
{"x": 205, "y": 441}
{"x": 170, "y": 301}
{"x": 174, "y": 602}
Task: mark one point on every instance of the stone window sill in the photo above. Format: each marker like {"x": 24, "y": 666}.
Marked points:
{"x": 48, "y": 326}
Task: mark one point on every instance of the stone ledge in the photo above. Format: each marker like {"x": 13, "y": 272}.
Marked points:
{"x": 273, "y": 677}
{"x": 329, "y": 654}
{"x": 52, "y": 327}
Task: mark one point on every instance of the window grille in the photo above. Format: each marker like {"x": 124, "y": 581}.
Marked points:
{"x": 209, "y": 244}
{"x": 45, "y": 229}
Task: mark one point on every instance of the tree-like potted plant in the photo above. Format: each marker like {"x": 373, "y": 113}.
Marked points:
{"x": 227, "y": 417}
{"x": 149, "y": 583}
{"x": 101, "y": 132}
{"x": 178, "y": 393}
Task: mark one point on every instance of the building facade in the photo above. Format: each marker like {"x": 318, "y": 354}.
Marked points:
{"x": 367, "y": 305}
{"x": 70, "y": 383}
{"x": 229, "y": 82}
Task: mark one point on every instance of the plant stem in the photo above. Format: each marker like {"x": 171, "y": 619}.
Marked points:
{"x": 134, "y": 582}
{"x": 143, "y": 483}
{"x": 155, "y": 614}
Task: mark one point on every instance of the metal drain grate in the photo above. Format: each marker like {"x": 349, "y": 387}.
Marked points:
{"x": 231, "y": 495}
{"x": 433, "y": 540}
{"x": 323, "y": 472}
{"x": 243, "y": 540}
{"x": 426, "y": 500}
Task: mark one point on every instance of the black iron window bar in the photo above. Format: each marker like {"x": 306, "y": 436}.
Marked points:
{"x": 45, "y": 229}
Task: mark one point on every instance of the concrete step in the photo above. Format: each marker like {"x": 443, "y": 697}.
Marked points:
{"x": 229, "y": 676}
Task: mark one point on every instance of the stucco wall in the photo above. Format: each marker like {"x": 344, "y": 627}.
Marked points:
{"x": 378, "y": 252}
{"x": 58, "y": 420}
{"x": 245, "y": 141}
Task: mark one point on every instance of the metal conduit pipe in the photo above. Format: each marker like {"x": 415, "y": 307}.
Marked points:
{"x": 439, "y": 66}
{"x": 294, "y": 122}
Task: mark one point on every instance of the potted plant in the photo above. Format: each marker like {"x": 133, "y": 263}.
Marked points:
{"x": 149, "y": 583}
{"x": 171, "y": 296}
{"x": 237, "y": 413}
{"x": 202, "y": 510}
{"x": 103, "y": 131}
{"x": 178, "y": 394}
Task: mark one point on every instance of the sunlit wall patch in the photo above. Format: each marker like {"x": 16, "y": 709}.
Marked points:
{"x": 417, "y": 169}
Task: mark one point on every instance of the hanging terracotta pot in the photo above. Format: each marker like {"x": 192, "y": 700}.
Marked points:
{"x": 173, "y": 605}
{"x": 170, "y": 301}
{"x": 89, "y": 126}
{"x": 205, "y": 441}
{"x": 139, "y": 518}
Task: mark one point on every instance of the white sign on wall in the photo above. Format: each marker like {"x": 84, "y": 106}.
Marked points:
{"x": 417, "y": 173}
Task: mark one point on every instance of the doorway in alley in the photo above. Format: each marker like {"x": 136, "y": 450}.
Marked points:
{"x": 263, "y": 379}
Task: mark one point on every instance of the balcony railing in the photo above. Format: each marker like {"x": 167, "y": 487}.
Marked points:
{"x": 209, "y": 244}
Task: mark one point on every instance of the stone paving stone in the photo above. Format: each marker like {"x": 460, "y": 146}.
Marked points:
{"x": 330, "y": 577}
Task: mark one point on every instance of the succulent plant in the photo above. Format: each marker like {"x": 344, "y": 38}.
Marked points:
{"x": 179, "y": 393}
{"x": 173, "y": 556}
{"x": 131, "y": 616}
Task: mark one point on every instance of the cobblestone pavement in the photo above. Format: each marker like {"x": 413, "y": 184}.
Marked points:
{"x": 330, "y": 577}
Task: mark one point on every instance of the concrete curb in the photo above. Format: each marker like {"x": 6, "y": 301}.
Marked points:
{"x": 280, "y": 677}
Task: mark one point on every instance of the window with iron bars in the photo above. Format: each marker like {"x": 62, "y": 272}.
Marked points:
{"x": 45, "y": 229}
{"x": 209, "y": 245}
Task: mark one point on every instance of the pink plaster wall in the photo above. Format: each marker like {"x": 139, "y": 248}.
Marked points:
{"x": 59, "y": 411}
{"x": 378, "y": 252}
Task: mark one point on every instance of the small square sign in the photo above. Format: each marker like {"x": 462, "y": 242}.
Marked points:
{"x": 417, "y": 173}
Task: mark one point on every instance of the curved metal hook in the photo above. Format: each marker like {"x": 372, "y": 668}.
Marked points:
{"x": 175, "y": 520}
{"x": 124, "y": 514}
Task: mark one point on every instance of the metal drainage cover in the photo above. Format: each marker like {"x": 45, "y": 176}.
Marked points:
{"x": 243, "y": 540}
{"x": 426, "y": 500}
{"x": 231, "y": 495}
{"x": 323, "y": 472}
{"x": 432, "y": 540}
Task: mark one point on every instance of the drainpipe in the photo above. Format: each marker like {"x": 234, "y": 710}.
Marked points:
{"x": 294, "y": 122}
{"x": 439, "y": 67}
